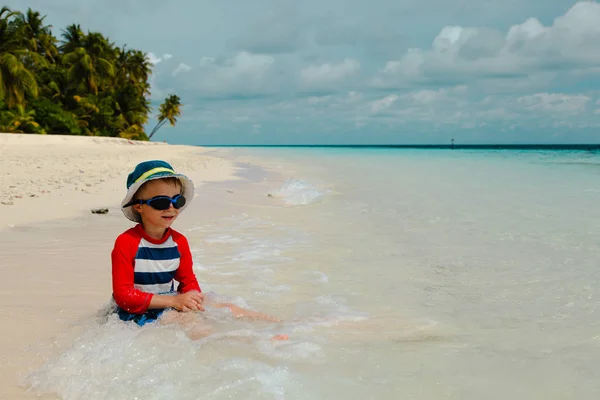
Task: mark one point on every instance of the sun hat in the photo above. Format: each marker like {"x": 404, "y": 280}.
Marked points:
{"x": 150, "y": 170}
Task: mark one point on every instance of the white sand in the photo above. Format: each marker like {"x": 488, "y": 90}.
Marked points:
{"x": 47, "y": 177}
{"x": 54, "y": 253}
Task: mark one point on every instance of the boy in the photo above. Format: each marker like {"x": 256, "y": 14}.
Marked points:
{"x": 148, "y": 258}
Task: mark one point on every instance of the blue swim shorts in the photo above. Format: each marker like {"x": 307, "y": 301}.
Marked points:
{"x": 141, "y": 319}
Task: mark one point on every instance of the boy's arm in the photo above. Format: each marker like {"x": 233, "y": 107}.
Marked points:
{"x": 126, "y": 296}
{"x": 185, "y": 273}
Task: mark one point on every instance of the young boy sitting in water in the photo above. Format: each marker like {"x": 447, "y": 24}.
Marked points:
{"x": 148, "y": 258}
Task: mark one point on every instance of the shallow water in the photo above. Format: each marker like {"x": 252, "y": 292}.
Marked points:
{"x": 399, "y": 274}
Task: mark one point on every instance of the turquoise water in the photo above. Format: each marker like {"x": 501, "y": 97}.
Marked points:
{"x": 400, "y": 274}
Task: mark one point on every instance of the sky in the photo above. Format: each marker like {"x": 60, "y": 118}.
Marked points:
{"x": 361, "y": 72}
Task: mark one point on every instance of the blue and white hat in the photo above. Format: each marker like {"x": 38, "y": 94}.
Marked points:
{"x": 147, "y": 171}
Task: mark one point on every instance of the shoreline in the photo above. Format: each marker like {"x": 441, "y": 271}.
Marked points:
{"x": 56, "y": 253}
{"x": 57, "y": 176}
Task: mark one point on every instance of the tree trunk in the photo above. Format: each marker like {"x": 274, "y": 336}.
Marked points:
{"x": 157, "y": 127}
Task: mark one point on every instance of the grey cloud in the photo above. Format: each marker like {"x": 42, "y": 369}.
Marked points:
{"x": 483, "y": 44}
{"x": 377, "y": 42}
{"x": 467, "y": 54}
{"x": 243, "y": 75}
{"x": 342, "y": 35}
{"x": 274, "y": 39}
{"x": 279, "y": 30}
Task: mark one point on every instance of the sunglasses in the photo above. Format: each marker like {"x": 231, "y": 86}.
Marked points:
{"x": 161, "y": 202}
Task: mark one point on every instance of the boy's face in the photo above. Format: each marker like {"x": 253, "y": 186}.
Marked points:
{"x": 157, "y": 220}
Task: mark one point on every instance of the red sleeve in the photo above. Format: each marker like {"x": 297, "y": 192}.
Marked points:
{"x": 123, "y": 255}
{"x": 185, "y": 273}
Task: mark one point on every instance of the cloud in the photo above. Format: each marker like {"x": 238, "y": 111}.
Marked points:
{"x": 277, "y": 31}
{"x": 154, "y": 59}
{"x": 428, "y": 96}
{"x": 157, "y": 93}
{"x": 464, "y": 54}
{"x": 181, "y": 68}
{"x": 416, "y": 116}
{"x": 376, "y": 42}
{"x": 552, "y": 103}
{"x": 242, "y": 74}
{"x": 383, "y": 104}
{"x": 328, "y": 74}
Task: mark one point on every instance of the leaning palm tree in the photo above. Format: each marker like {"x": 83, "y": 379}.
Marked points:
{"x": 168, "y": 111}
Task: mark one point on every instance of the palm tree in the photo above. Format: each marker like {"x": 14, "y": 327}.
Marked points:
{"x": 33, "y": 30}
{"x": 91, "y": 62}
{"x": 81, "y": 68}
{"x": 85, "y": 67}
{"x": 140, "y": 68}
{"x": 130, "y": 108}
{"x": 133, "y": 67}
{"x": 20, "y": 120}
{"x": 48, "y": 49}
{"x": 9, "y": 39}
{"x": 16, "y": 80}
{"x": 129, "y": 90}
{"x": 168, "y": 111}
{"x": 73, "y": 38}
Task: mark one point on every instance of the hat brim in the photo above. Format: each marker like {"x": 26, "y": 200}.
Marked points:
{"x": 187, "y": 191}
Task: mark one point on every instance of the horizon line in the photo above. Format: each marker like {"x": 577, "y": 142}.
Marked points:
{"x": 557, "y": 146}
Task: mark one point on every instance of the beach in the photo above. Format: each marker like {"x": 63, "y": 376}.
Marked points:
{"x": 74, "y": 174}
{"x": 55, "y": 252}
{"x": 421, "y": 274}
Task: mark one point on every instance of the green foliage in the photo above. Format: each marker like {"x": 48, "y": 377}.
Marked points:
{"x": 55, "y": 119}
{"x": 19, "y": 120}
{"x": 82, "y": 84}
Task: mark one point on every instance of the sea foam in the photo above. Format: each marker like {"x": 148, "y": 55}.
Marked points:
{"x": 298, "y": 192}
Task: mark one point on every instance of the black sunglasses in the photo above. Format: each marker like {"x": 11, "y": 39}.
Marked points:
{"x": 161, "y": 202}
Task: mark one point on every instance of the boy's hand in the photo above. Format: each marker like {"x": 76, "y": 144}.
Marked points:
{"x": 190, "y": 301}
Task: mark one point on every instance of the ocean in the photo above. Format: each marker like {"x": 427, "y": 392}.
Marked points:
{"x": 398, "y": 273}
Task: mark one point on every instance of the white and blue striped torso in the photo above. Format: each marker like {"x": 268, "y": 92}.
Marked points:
{"x": 155, "y": 266}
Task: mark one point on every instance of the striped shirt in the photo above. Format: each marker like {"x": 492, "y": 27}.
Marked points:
{"x": 143, "y": 266}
